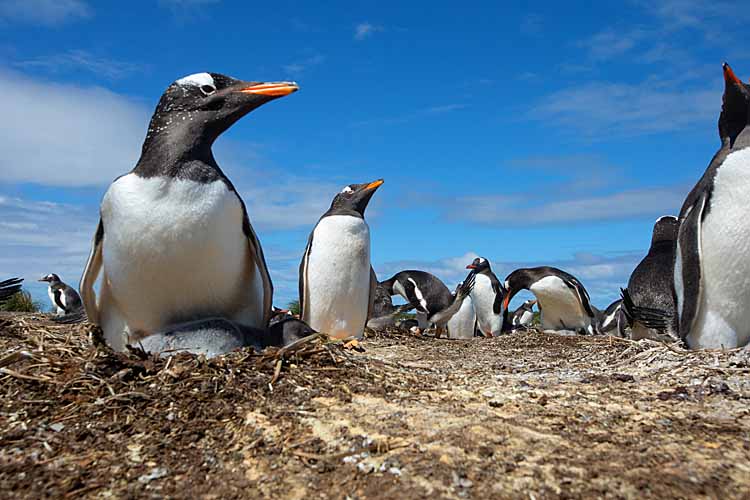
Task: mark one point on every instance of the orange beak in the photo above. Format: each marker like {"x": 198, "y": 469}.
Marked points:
{"x": 506, "y": 300}
{"x": 374, "y": 184}
{"x": 276, "y": 89}
{"x": 471, "y": 266}
{"x": 729, "y": 75}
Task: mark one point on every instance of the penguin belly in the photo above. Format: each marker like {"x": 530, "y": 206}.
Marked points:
{"x": 337, "y": 288}
{"x": 483, "y": 298}
{"x": 174, "y": 251}
{"x": 526, "y": 318}
{"x": 461, "y": 325}
{"x": 58, "y": 310}
{"x": 559, "y": 304}
{"x": 723, "y": 318}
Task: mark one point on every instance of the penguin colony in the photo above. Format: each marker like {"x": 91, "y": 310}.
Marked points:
{"x": 180, "y": 267}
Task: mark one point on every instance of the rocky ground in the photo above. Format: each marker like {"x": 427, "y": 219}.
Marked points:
{"x": 528, "y": 415}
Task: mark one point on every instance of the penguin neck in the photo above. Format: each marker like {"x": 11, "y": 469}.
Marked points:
{"x": 174, "y": 148}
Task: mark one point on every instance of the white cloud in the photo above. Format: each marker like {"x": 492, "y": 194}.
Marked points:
{"x": 44, "y": 12}
{"x": 365, "y": 30}
{"x": 75, "y": 60}
{"x": 301, "y": 65}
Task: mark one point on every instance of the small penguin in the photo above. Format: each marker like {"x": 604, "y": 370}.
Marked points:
{"x": 563, "y": 302}
{"x": 434, "y": 302}
{"x": 487, "y": 297}
{"x": 650, "y": 287}
{"x": 9, "y": 287}
{"x": 463, "y": 324}
{"x": 712, "y": 262}
{"x": 336, "y": 280}
{"x": 612, "y": 321}
{"x": 524, "y": 315}
{"x": 64, "y": 298}
{"x": 383, "y": 313}
{"x": 174, "y": 240}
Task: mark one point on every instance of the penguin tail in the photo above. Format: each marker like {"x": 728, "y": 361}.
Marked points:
{"x": 467, "y": 286}
{"x": 71, "y": 318}
{"x": 650, "y": 317}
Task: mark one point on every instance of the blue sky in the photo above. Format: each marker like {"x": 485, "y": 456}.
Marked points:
{"x": 552, "y": 135}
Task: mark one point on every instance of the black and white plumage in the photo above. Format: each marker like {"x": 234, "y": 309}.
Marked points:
{"x": 463, "y": 324}
{"x": 524, "y": 315}
{"x": 487, "y": 297}
{"x": 383, "y": 313}
{"x": 174, "y": 242}
{"x": 336, "y": 280}
{"x": 651, "y": 287}
{"x": 563, "y": 301}
{"x": 612, "y": 320}
{"x": 712, "y": 262}
{"x": 9, "y": 287}
{"x": 429, "y": 296}
{"x": 65, "y": 300}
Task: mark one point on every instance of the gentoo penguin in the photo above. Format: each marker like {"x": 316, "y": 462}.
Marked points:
{"x": 336, "y": 280}
{"x": 434, "y": 302}
{"x": 487, "y": 297}
{"x": 213, "y": 337}
{"x": 563, "y": 301}
{"x": 174, "y": 239}
{"x": 383, "y": 313}
{"x": 463, "y": 324}
{"x": 64, "y": 298}
{"x": 9, "y": 287}
{"x": 612, "y": 320}
{"x": 650, "y": 286}
{"x": 524, "y": 315}
{"x": 712, "y": 262}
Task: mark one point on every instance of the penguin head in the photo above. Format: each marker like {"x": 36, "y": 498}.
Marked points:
{"x": 516, "y": 281}
{"x": 207, "y": 104}
{"x": 735, "y": 108}
{"x": 51, "y": 278}
{"x": 665, "y": 229}
{"x": 479, "y": 264}
{"x": 355, "y": 197}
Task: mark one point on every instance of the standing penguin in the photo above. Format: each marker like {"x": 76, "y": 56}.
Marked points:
{"x": 563, "y": 301}
{"x": 650, "y": 287}
{"x": 524, "y": 315}
{"x": 336, "y": 280}
{"x": 64, "y": 298}
{"x": 487, "y": 297}
{"x": 174, "y": 240}
{"x": 463, "y": 324}
{"x": 712, "y": 262}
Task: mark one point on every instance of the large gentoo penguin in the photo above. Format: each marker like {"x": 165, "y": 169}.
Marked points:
{"x": 612, "y": 320}
{"x": 174, "y": 239}
{"x": 64, "y": 298}
{"x": 650, "y": 286}
{"x": 563, "y": 301}
{"x": 712, "y": 263}
{"x": 9, "y": 287}
{"x": 383, "y": 313}
{"x": 487, "y": 297}
{"x": 524, "y": 315}
{"x": 336, "y": 280}
{"x": 433, "y": 301}
{"x": 463, "y": 324}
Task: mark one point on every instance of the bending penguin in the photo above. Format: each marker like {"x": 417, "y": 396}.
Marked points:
{"x": 648, "y": 301}
{"x": 64, "y": 298}
{"x": 463, "y": 324}
{"x": 9, "y": 287}
{"x": 712, "y": 262}
{"x": 336, "y": 280}
{"x": 487, "y": 297}
{"x": 524, "y": 315}
{"x": 612, "y": 320}
{"x": 563, "y": 302}
{"x": 435, "y": 304}
{"x": 174, "y": 242}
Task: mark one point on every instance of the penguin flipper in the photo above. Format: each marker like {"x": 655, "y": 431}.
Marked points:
{"x": 656, "y": 319}
{"x": 583, "y": 295}
{"x": 303, "y": 277}
{"x": 373, "y": 287}
{"x": 256, "y": 255}
{"x": 90, "y": 274}
{"x": 688, "y": 274}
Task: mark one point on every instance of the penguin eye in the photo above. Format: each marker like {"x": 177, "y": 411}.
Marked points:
{"x": 208, "y": 89}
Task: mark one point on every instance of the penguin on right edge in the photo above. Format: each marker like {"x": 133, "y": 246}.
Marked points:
{"x": 712, "y": 263}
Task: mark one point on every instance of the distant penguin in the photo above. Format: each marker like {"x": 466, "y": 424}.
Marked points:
{"x": 384, "y": 313}
{"x": 9, "y": 287}
{"x": 651, "y": 284}
{"x": 64, "y": 298}
{"x": 612, "y": 321}
{"x": 487, "y": 297}
{"x": 336, "y": 280}
{"x": 712, "y": 264}
{"x": 563, "y": 302}
{"x": 524, "y": 315}
{"x": 463, "y": 324}
{"x": 431, "y": 298}
{"x": 174, "y": 240}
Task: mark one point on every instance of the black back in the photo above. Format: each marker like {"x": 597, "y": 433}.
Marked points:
{"x": 522, "y": 279}
{"x": 434, "y": 291}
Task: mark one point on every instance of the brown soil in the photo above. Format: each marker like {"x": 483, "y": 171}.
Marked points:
{"x": 522, "y": 416}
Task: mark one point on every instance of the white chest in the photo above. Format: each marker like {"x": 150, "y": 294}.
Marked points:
{"x": 483, "y": 298}
{"x": 559, "y": 305}
{"x": 724, "y": 315}
{"x": 461, "y": 325}
{"x": 337, "y": 287}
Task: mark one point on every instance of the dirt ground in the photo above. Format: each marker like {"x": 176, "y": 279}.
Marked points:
{"x": 527, "y": 415}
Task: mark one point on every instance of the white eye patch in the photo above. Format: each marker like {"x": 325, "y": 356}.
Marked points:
{"x": 197, "y": 80}
{"x": 347, "y": 189}
{"x": 482, "y": 260}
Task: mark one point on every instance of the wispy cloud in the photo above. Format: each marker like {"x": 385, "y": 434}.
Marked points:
{"x": 80, "y": 60}
{"x": 437, "y": 110}
{"x": 610, "y": 43}
{"x": 302, "y": 65}
{"x": 366, "y": 30}
{"x": 44, "y": 12}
